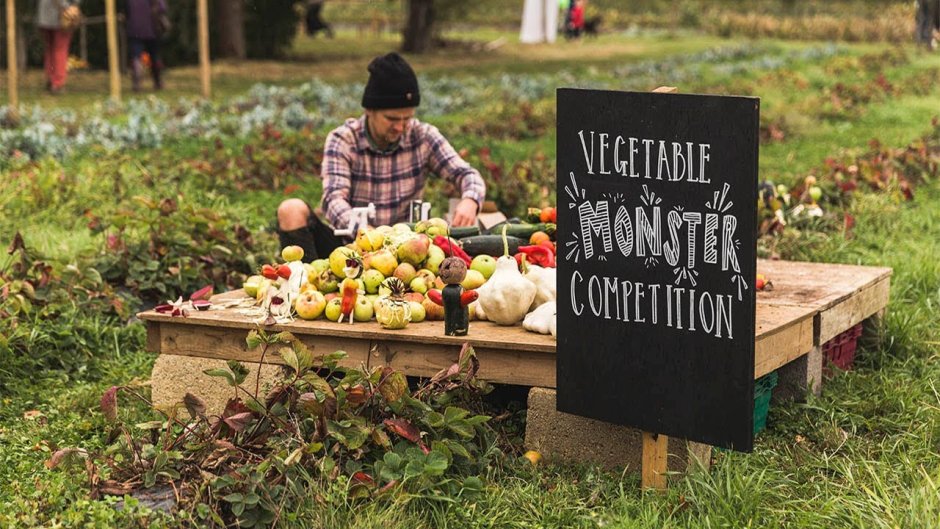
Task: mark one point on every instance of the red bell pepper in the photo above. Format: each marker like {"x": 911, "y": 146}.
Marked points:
{"x": 538, "y": 255}
{"x": 468, "y": 296}
{"x": 436, "y": 297}
{"x": 450, "y": 247}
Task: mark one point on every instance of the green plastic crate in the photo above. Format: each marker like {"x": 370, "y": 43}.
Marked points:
{"x": 763, "y": 389}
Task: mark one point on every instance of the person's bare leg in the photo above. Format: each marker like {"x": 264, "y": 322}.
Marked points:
{"x": 292, "y": 214}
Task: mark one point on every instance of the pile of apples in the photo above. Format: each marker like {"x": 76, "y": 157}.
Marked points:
{"x": 385, "y": 251}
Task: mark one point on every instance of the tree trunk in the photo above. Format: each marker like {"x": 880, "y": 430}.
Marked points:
{"x": 229, "y": 21}
{"x": 420, "y": 28}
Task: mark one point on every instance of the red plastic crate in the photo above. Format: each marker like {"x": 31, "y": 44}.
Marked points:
{"x": 839, "y": 352}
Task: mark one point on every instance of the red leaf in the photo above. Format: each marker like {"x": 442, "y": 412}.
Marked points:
{"x": 289, "y": 190}
{"x": 109, "y": 403}
{"x": 357, "y": 395}
{"x": 362, "y": 477}
{"x": 404, "y": 429}
{"x": 202, "y": 293}
{"x": 234, "y": 406}
{"x": 239, "y": 421}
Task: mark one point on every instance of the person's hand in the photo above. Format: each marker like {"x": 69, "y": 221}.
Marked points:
{"x": 465, "y": 214}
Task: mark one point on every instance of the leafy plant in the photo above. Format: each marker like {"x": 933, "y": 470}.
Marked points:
{"x": 55, "y": 318}
{"x": 161, "y": 249}
{"x": 324, "y": 426}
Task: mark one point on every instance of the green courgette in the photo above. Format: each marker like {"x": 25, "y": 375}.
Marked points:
{"x": 522, "y": 230}
{"x": 464, "y": 231}
{"x": 490, "y": 245}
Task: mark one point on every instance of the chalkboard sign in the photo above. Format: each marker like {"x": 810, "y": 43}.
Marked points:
{"x": 657, "y": 198}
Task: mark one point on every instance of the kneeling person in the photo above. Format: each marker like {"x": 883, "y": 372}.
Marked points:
{"x": 382, "y": 158}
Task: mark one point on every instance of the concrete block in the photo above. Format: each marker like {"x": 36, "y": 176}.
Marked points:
{"x": 567, "y": 437}
{"x": 175, "y": 375}
{"x": 800, "y": 377}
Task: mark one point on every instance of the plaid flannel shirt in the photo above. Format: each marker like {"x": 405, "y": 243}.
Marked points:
{"x": 355, "y": 173}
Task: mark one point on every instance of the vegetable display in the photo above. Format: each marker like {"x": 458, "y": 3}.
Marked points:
{"x": 409, "y": 273}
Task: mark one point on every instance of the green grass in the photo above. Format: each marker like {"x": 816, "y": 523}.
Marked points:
{"x": 864, "y": 454}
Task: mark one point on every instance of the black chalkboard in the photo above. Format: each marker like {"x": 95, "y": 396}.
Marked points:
{"x": 657, "y": 198}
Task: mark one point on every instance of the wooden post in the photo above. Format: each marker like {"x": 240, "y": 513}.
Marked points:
{"x": 653, "y": 472}
{"x": 203, "y": 15}
{"x": 655, "y": 446}
{"x": 12, "y": 84}
{"x": 114, "y": 68}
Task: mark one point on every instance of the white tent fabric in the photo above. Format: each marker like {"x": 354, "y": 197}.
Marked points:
{"x": 539, "y": 21}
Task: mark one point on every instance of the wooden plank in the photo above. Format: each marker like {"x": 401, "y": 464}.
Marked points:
{"x": 416, "y": 359}
{"x": 862, "y": 304}
{"x": 501, "y": 366}
{"x": 784, "y": 333}
{"x": 153, "y": 336}
{"x": 214, "y": 342}
{"x": 114, "y": 68}
{"x": 653, "y": 466}
{"x": 816, "y": 285}
{"x": 12, "y": 64}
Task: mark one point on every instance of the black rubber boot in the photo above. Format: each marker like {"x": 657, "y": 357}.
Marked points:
{"x": 302, "y": 237}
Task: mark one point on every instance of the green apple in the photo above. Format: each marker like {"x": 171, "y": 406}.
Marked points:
{"x": 329, "y": 284}
{"x": 485, "y": 264}
{"x": 251, "y": 285}
{"x": 372, "y": 279}
{"x": 363, "y": 309}
{"x": 292, "y": 253}
{"x": 417, "y": 312}
{"x": 374, "y": 300}
{"x": 263, "y": 288}
{"x": 436, "y": 256}
{"x": 333, "y": 309}
{"x": 427, "y": 275}
{"x": 815, "y": 193}
{"x": 310, "y": 305}
{"x": 419, "y": 284}
{"x": 401, "y": 227}
{"x": 473, "y": 280}
{"x": 436, "y": 226}
{"x": 320, "y": 265}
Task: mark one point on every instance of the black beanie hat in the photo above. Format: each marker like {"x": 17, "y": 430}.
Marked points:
{"x": 392, "y": 84}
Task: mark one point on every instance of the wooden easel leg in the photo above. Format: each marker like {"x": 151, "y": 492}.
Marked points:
{"x": 655, "y": 450}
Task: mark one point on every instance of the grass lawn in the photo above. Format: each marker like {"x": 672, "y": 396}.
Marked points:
{"x": 866, "y": 454}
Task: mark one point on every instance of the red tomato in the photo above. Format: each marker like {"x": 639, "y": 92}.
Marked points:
{"x": 548, "y": 214}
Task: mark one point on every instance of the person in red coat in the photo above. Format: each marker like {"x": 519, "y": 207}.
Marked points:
{"x": 576, "y": 24}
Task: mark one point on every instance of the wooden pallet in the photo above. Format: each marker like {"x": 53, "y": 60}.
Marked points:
{"x": 508, "y": 355}
{"x": 809, "y": 304}
{"x": 842, "y": 295}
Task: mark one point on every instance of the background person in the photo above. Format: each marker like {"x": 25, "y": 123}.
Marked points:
{"x": 144, "y": 32}
{"x": 56, "y": 19}
{"x": 928, "y": 22}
